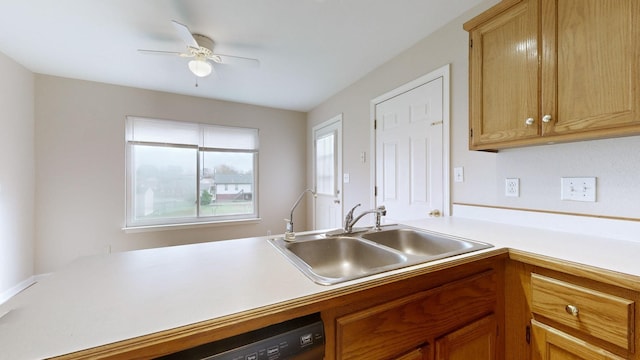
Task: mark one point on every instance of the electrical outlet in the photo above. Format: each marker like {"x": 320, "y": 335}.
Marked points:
{"x": 512, "y": 187}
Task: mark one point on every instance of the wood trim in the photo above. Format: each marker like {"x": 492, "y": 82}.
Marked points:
{"x": 596, "y": 134}
{"x": 593, "y": 273}
{"x": 517, "y": 309}
{"x": 489, "y": 14}
{"x": 553, "y": 212}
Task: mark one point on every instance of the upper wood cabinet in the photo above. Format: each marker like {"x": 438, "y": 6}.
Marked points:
{"x": 544, "y": 71}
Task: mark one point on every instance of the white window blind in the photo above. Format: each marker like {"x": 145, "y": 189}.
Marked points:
{"x": 224, "y": 137}
{"x": 162, "y": 131}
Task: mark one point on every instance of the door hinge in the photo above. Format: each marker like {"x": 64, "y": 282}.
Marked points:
{"x": 375, "y": 191}
{"x": 528, "y": 334}
{"x": 470, "y": 133}
{"x": 471, "y": 43}
{"x": 375, "y": 124}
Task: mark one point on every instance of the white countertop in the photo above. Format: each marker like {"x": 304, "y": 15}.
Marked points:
{"x": 103, "y": 299}
{"x": 600, "y": 252}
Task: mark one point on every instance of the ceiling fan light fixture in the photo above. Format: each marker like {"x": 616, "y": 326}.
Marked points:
{"x": 200, "y": 67}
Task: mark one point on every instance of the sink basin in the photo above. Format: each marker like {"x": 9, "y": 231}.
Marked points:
{"x": 420, "y": 243}
{"x": 341, "y": 258}
{"x": 330, "y": 258}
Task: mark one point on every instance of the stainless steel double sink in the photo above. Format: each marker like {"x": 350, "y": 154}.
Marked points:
{"x": 333, "y": 257}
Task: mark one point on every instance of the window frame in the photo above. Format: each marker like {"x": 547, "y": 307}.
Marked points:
{"x": 131, "y": 223}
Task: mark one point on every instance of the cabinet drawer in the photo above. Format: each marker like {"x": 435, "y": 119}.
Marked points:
{"x": 592, "y": 312}
{"x": 386, "y": 330}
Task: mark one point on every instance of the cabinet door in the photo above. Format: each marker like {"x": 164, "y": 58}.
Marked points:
{"x": 395, "y": 327}
{"x": 475, "y": 341}
{"x": 552, "y": 344}
{"x": 590, "y": 67}
{"x": 504, "y": 77}
{"x": 417, "y": 354}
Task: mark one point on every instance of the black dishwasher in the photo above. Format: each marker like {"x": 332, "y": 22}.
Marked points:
{"x": 297, "y": 339}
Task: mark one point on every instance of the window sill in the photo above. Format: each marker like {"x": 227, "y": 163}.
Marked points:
{"x": 147, "y": 228}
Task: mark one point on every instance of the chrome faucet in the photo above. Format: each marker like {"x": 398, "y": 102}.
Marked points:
{"x": 349, "y": 221}
{"x": 289, "y": 234}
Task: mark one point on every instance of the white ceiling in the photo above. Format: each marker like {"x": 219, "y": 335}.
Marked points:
{"x": 308, "y": 49}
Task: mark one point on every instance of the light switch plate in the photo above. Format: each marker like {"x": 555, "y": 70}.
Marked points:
{"x": 578, "y": 189}
{"x": 458, "y": 174}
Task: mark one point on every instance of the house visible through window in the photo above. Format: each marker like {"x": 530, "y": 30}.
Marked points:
{"x": 180, "y": 172}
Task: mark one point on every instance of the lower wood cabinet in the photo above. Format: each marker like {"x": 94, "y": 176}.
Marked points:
{"x": 584, "y": 310}
{"x": 452, "y": 321}
{"x": 572, "y": 319}
{"x": 474, "y": 341}
{"x": 560, "y": 311}
{"x": 417, "y": 354}
{"x": 552, "y": 344}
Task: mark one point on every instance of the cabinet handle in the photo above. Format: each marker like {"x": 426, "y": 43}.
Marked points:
{"x": 572, "y": 310}
{"x": 529, "y": 121}
{"x": 546, "y": 118}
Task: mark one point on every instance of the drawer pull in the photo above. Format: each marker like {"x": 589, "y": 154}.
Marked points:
{"x": 571, "y": 310}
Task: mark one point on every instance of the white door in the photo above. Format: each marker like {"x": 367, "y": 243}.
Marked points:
{"x": 409, "y": 152}
{"x": 327, "y": 156}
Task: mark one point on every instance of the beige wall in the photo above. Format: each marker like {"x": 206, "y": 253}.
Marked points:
{"x": 16, "y": 174}
{"x": 79, "y": 158}
{"x": 446, "y": 46}
{"x": 615, "y": 162}
{"x": 80, "y": 166}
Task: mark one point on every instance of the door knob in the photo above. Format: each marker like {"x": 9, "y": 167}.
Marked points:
{"x": 435, "y": 213}
{"x": 336, "y": 201}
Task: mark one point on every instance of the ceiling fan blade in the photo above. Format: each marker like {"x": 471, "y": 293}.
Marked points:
{"x": 185, "y": 34}
{"x": 159, "y": 52}
{"x": 234, "y": 60}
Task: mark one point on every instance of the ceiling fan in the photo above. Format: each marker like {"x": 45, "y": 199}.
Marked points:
{"x": 200, "y": 50}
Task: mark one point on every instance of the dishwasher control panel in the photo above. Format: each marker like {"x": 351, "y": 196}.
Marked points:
{"x": 301, "y": 338}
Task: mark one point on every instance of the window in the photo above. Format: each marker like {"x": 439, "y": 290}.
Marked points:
{"x": 180, "y": 172}
{"x": 325, "y": 164}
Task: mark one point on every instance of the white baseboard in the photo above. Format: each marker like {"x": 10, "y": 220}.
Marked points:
{"x": 8, "y": 294}
{"x": 587, "y": 225}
